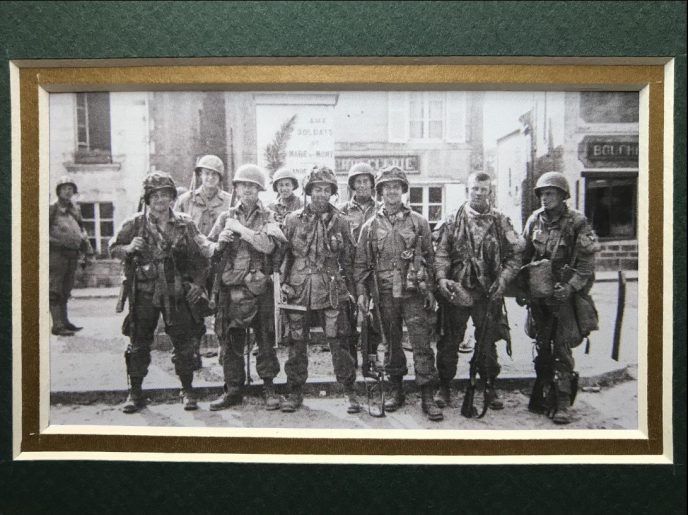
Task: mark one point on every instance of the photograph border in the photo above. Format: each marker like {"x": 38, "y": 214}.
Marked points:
{"x": 34, "y": 80}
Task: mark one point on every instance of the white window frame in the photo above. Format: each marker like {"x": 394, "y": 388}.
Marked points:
{"x": 98, "y": 248}
{"x": 454, "y": 107}
{"x": 426, "y": 200}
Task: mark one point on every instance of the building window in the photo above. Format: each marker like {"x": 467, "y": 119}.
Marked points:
{"x": 428, "y": 201}
{"x": 93, "y": 128}
{"x": 611, "y": 205}
{"x": 427, "y": 115}
{"x": 99, "y": 224}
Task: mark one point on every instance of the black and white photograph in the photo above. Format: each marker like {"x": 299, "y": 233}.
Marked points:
{"x": 444, "y": 261}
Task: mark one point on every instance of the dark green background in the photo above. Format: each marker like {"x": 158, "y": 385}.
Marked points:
{"x": 116, "y": 29}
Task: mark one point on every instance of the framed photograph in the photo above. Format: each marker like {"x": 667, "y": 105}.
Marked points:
{"x": 602, "y": 129}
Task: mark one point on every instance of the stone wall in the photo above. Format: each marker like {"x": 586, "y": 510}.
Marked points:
{"x": 617, "y": 255}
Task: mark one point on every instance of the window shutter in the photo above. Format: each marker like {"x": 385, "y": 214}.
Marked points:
{"x": 397, "y": 116}
{"x": 456, "y": 116}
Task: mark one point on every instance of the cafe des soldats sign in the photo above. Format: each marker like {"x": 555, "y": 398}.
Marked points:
{"x": 609, "y": 151}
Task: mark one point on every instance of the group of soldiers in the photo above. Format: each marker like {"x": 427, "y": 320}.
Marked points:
{"x": 211, "y": 253}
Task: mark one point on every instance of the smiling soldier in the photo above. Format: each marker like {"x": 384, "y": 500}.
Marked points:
{"x": 394, "y": 258}
{"x": 167, "y": 257}
{"x": 318, "y": 262}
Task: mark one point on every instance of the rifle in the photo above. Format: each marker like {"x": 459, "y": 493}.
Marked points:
{"x": 129, "y": 265}
{"x": 373, "y": 363}
{"x": 468, "y": 410}
{"x": 223, "y": 252}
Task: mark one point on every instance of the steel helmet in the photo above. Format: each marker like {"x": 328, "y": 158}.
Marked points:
{"x": 553, "y": 180}
{"x": 250, "y": 173}
{"x": 65, "y": 179}
{"x": 156, "y": 181}
{"x": 360, "y": 169}
{"x": 321, "y": 174}
{"x": 284, "y": 173}
{"x": 389, "y": 174}
{"x": 211, "y": 162}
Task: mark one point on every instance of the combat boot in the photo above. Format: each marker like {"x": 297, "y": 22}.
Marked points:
{"x": 561, "y": 416}
{"x": 396, "y": 398}
{"x": 232, "y": 397}
{"x": 428, "y": 404}
{"x": 443, "y": 395}
{"x": 67, "y": 324}
{"x": 188, "y": 398}
{"x": 292, "y": 401}
{"x": 354, "y": 405}
{"x": 495, "y": 402}
{"x": 135, "y": 399}
{"x": 272, "y": 402}
{"x": 59, "y": 328}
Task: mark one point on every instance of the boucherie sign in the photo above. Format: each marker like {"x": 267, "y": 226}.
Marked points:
{"x": 609, "y": 151}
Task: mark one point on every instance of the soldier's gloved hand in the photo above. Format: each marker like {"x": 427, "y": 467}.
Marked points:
{"x": 430, "y": 303}
{"x": 194, "y": 294}
{"x": 86, "y": 262}
{"x": 136, "y": 245}
{"x": 562, "y": 292}
{"x": 226, "y": 236}
{"x": 444, "y": 287}
{"x": 363, "y": 302}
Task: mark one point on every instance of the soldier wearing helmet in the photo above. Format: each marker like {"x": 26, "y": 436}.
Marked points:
{"x": 205, "y": 202}
{"x": 478, "y": 254}
{"x": 68, "y": 240}
{"x": 360, "y": 207}
{"x": 318, "y": 261}
{"x": 394, "y": 258}
{"x": 284, "y": 183}
{"x": 563, "y": 240}
{"x": 250, "y": 234}
{"x": 166, "y": 261}
{"x": 204, "y": 205}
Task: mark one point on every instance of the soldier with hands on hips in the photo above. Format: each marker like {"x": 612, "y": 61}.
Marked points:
{"x": 560, "y": 257}
{"x": 394, "y": 253}
{"x": 318, "y": 262}
{"x": 68, "y": 240}
{"x": 478, "y": 254}
{"x": 250, "y": 234}
{"x": 169, "y": 260}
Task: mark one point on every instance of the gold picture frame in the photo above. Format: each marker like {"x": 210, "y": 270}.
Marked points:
{"x": 33, "y": 81}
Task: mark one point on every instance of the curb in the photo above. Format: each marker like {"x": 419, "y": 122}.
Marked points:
{"x": 316, "y": 388}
